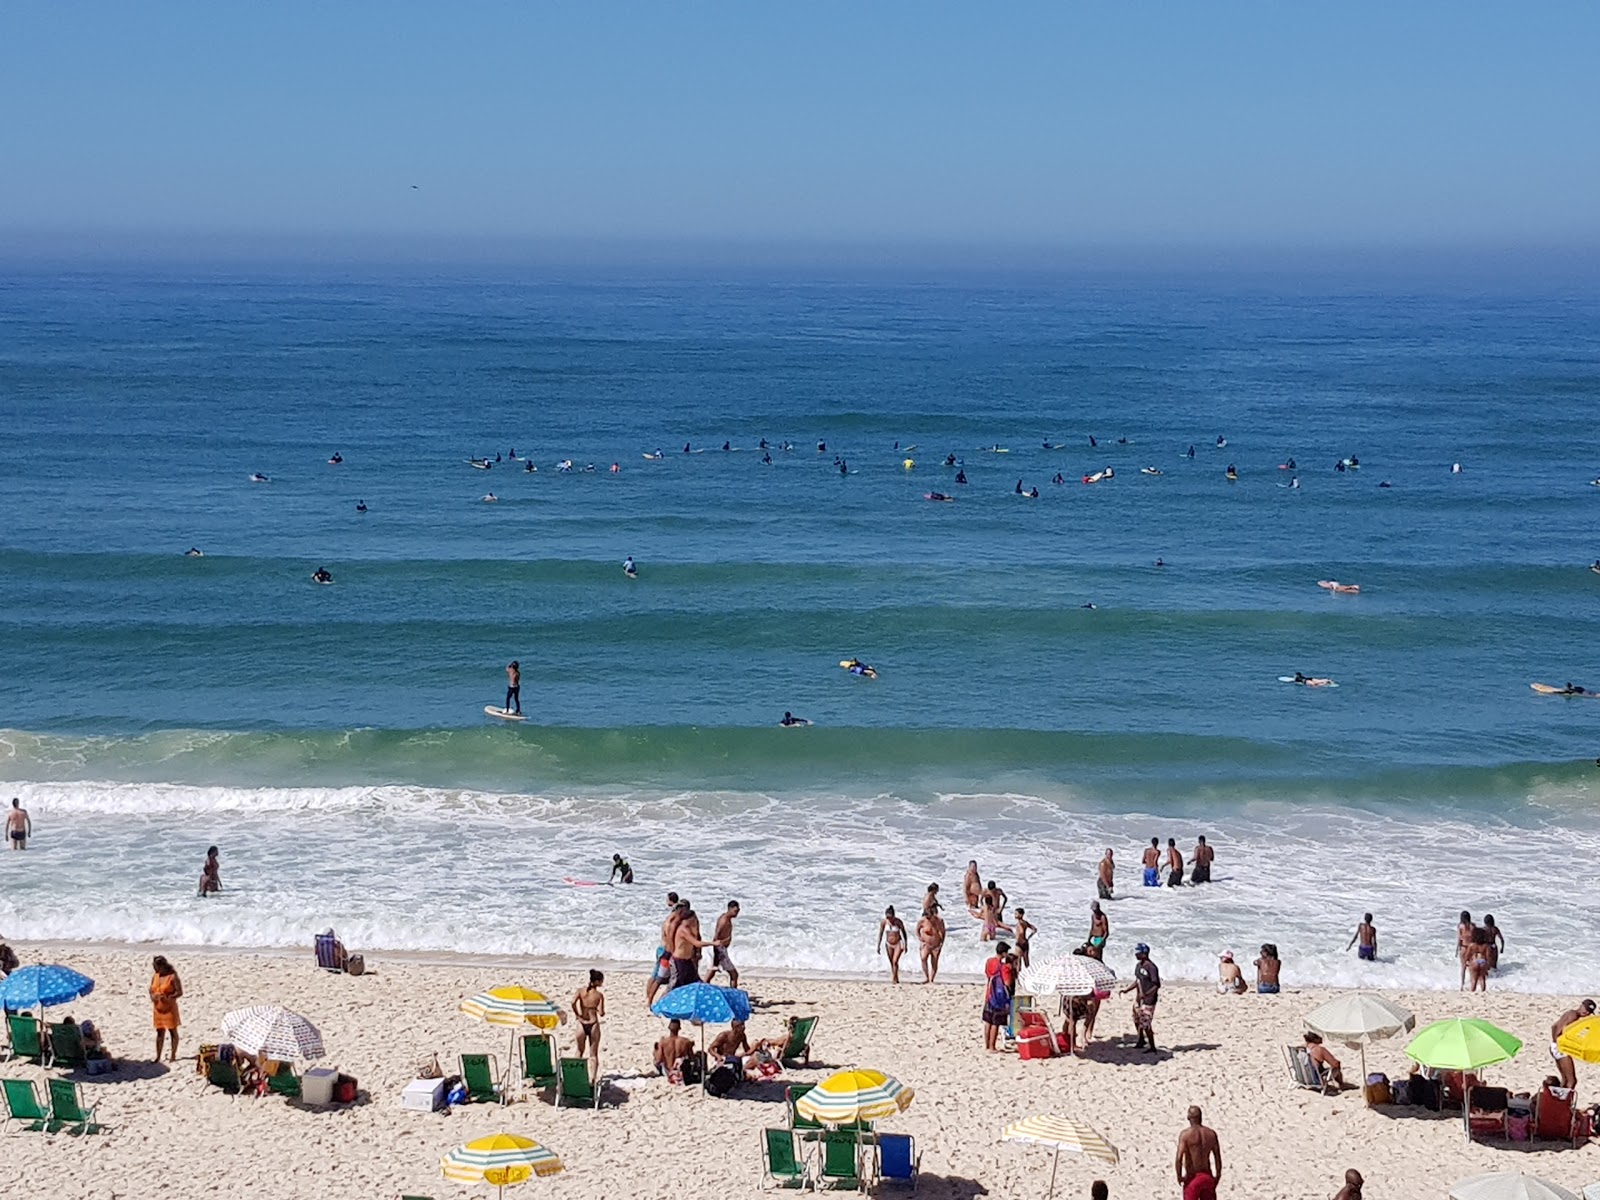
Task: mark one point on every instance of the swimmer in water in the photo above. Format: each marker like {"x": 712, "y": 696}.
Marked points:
{"x": 1033, "y": 493}
{"x": 361, "y": 506}
{"x": 949, "y": 460}
{"x": 629, "y": 569}
{"x": 844, "y": 467}
{"x": 196, "y": 552}
{"x": 961, "y": 476}
{"x": 1232, "y": 472}
{"x": 1092, "y": 442}
{"x": 490, "y": 498}
{"x": 727, "y": 445}
{"x": 1161, "y": 562}
{"x": 1018, "y": 488}
{"x": 336, "y": 459}
{"x": 822, "y": 447}
{"x": 1060, "y": 478}
{"x": 528, "y": 467}
{"x": 1191, "y": 452}
{"x": 767, "y": 459}
{"x": 616, "y": 468}
{"x": 1221, "y": 442}
{"x": 1086, "y": 606}
{"x": 686, "y": 447}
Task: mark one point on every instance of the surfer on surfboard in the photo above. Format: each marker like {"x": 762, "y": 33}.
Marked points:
{"x": 790, "y": 721}
{"x": 513, "y": 688}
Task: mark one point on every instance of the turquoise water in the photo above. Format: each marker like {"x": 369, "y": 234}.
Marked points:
{"x": 332, "y": 739}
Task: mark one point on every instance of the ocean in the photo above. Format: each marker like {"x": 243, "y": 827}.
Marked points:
{"x": 332, "y": 740}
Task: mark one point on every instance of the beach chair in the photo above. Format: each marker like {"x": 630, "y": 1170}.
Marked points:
{"x": 23, "y": 1107}
{"x": 898, "y": 1159}
{"x": 66, "y": 1046}
{"x": 1552, "y": 1114}
{"x": 330, "y": 952}
{"x": 26, "y": 1041}
{"x": 481, "y": 1075}
{"x": 573, "y": 1084}
{"x": 66, "y": 1108}
{"x": 808, "y": 1129}
{"x": 284, "y": 1082}
{"x": 1303, "y": 1071}
{"x": 840, "y": 1167}
{"x": 538, "y": 1060}
{"x": 799, "y": 1044}
{"x": 780, "y": 1166}
{"x": 223, "y": 1075}
{"x": 1486, "y": 1112}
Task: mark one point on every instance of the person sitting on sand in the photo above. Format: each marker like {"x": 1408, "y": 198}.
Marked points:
{"x": 1325, "y": 1061}
{"x": 671, "y": 1050}
{"x": 731, "y": 1045}
{"x": 211, "y": 874}
{"x": 1267, "y": 968}
{"x": 1352, "y": 1186}
{"x": 8, "y": 960}
{"x": 1230, "y": 979}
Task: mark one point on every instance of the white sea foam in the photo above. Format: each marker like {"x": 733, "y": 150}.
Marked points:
{"x": 414, "y": 868}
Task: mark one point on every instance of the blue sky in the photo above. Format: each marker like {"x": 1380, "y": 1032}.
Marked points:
{"x": 1137, "y": 124}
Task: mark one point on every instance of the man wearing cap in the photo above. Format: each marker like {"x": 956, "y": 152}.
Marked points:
{"x": 1230, "y": 979}
{"x": 1147, "y": 983}
{"x": 1565, "y": 1067}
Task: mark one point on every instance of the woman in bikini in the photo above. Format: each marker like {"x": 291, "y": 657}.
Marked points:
{"x": 1025, "y": 931}
{"x": 1464, "y": 931}
{"x": 892, "y": 940}
{"x": 589, "y": 1006}
{"x": 1476, "y": 958}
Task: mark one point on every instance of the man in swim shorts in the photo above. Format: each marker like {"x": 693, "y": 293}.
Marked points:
{"x": 1199, "y": 1159}
{"x": 972, "y": 884}
{"x": 19, "y": 826}
{"x": 1367, "y": 935}
{"x": 1147, "y": 984}
{"x": 686, "y": 946}
{"x": 1152, "y": 863}
{"x": 513, "y": 687}
{"x": 1564, "y": 1064}
{"x": 1105, "y": 881}
{"x": 1099, "y": 930}
{"x": 721, "y": 939}
{"x": 1203, "y": 854}
{"x": 662, "y": 975}
{"x": 1174, "y": 864}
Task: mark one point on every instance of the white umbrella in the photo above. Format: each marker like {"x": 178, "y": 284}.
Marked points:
{"x": 1061, "y": 1133}
{"x": 272, "y": 1030}
{"x": 1508, "y": 1185}
{"x": 1068, "y": 975}
{"x": 1359, "y": 1019}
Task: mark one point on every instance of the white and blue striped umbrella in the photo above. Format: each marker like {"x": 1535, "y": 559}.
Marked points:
{"x": 705, "y": 1003}
{"x": 43, "y": 987}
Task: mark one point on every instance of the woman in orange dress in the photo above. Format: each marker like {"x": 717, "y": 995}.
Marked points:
{"x": 165, "y": 991}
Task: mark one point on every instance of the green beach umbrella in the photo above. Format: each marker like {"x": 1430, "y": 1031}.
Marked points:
{"x": 1462, "y": 1045}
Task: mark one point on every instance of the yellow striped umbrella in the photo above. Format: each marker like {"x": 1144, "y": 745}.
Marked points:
{"x": 499, "y": 1159}
{"x": 847, "y": 1096}
{"x": 512, "y": 1006}
{"x": 1061, "y": 1133}
{"x": 1581, "y": 1040}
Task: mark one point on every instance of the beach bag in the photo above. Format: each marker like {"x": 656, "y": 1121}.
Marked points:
{"x": 721, "y": 1081}
{"x": 1425, "y": 1092}
{"x": 694, "y": 1068}
{"x": 355, "y": 965}
{"x": 344, "y": 1089}
{"x": 1400, "y": 1091}
{"x": 428, "y": 1067}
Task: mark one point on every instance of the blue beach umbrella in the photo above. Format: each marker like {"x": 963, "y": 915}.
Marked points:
{"x": 43, "y": 987}
{"x": 706, "y": 1004}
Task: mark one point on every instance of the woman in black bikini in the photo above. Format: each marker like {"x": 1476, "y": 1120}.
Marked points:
{"x": 589, "y": 1006}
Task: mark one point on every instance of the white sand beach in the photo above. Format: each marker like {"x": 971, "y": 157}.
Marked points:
{"x": 172, "y": 1135}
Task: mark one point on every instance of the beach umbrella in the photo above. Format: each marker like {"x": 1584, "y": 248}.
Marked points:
{"x": 501, "y": 1159}
{"x": 1508, "y": 1185}
{"x": 1463, "y": 1045}
{"x": 43, "y": 987}
{"x": 704, "y": 1004}
{"x": 1581, "y": 1040}
{"x": 273, "y": 1031}
{"x": 1060, "y": 1134}
{"x": 513, "y": 1006}
{"x": 1068, "y": 975}
{"x": 854, "y": 1096}
{"x": 1359, "y": 1019}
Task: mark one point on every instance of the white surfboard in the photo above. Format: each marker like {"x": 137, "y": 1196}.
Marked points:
{"x": 504, "y": 714}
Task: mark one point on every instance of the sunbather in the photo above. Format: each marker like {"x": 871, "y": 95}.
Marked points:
{"x": 1325, "y": 1061}
{"x": 731, "y": 1045}
{"x": 671, "y": 1050}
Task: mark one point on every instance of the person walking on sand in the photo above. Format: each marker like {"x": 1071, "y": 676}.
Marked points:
{"x": 211, "y": 874}
{"x": 1152, "y": 863}
{"x": 1203, "y": 856}
{"x": 1367, "y": 934}
{"x": 662, "y": 975}
{"x": 1147, "y": 986}
{"x": 589, "y": 1006}
{"x": 930, "y": 940}
{"x": 166, "y": 989}
{"x": 721, "y": 939}
{"x": 1106, "y": 879}
{"x": 19, "y": 826}
{"x": 686, "y": 946}
{"x": 1199, "y": 1160}
{"x": 1000, "y": 976}
{"x": 513, "y": 687}
{"x": 892, "y": 930}
{"x": 1099, "y": 931}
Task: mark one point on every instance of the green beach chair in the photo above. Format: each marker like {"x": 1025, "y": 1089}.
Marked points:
{"x": 780, "y": 1167}
{"x": 66, "y": 1046}
{"x": 538, "y": 1060}
{"x": 223, "y": 1075}
{"x": 840, "y": 1167}
{"x": 66, "y": 1108}
{"x": 22, "y": 1105}
{"x": 799, "y": 1044}
{"x": 481, "y": 1075}
{"x": 284, "y": 1082}
{"x": 808, "y": 1129}
{"x": 573, "y": 1085}
{"x": 25, "y": 1039}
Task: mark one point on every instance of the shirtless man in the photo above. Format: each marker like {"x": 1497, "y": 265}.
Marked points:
{"x": 721, "y": 939}
{"x": 893, "y": 930}
{"x": 1099, "y": 929}
{"x": 972, "y": 885}
{"x": 1326, "y": 1062}
{"x": 1203, "y": 855}
{"x": 1199, "y": 1160}
{"x": 663, "y": 972}
{"x": 671, "y": 1050}
{"x": 1367, "y": 934}
{"x": 1352, "y": 1186}
{"x": 513, "y": 687}
{"x": 19, "y": 826}
{"x": 1106, "y": 879}
{"x": 1174, "y": 864}
{"x": 992, "y": 910}
{"x": 686, "y": 946}
{"x": 589, "y": 1006}
{"x": 1564, "y": 1064}
{"x": 930, "y": 937}
{"x": 731, "y": 1043}
{"x": 1152, "y": 863}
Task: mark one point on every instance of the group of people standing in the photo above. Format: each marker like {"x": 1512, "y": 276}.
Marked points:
{"x": 679, "y": 951}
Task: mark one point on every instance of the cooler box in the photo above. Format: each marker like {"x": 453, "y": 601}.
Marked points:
{"x": 1034, "y": 1043}
{"x": 423, "y": 1095}
{"x": 316, "y": 1085}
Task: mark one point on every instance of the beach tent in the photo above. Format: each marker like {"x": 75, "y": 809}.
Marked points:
{"x": 1358, "y": 1019}
{"x": 1508, "y": 1185}
{"x": 1060, "y": 1134}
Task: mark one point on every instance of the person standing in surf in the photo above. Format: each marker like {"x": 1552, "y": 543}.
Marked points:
{"x": 1152, "y": 864}
{"x": 1203, "y": 856}
{"x": 19, "y": 826}
{"x": 1106, "y": 879}
{"x": 513, "y": 687}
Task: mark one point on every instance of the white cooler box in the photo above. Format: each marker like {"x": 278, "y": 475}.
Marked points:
{"x": 423, "y": 1095}
{"x": 316, "y": 1085}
